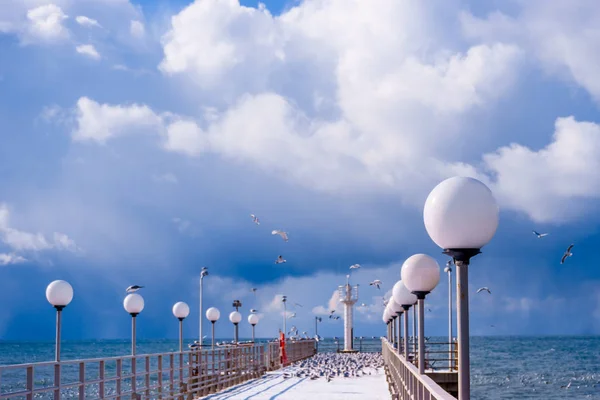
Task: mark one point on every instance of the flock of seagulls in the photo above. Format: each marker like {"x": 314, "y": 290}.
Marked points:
{"x": 566, "y": 254}
{"x": 282, "y": 234}
{"x": 330, "y": 366}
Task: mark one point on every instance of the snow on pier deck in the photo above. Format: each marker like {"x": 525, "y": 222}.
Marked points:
{"x": 273, "y": 386}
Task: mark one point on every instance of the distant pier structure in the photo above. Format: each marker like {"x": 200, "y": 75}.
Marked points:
{"x": 349, "y": 297}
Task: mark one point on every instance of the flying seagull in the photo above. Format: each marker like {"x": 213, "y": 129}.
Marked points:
{"x": 355, "y": 266}
{"x": 539, "y": 235}
{"x": 280, "y": 260}
{"x": 298, "y": 304}
{"x": 283, "y": 234}
{"x": 133, "y": 288}
{"x": 253, "y": 311}
{"x": 363, "y": 305}
{"x": 376, "y": 283}
{"x": 484, "y": 288}
{"x": 567, "y": 254}
{"x": 255, "y": 219}
{"x": 293, "y": 315}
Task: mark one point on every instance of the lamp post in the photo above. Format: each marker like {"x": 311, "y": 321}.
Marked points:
{"x": 235, "y": 317}
{"x": 203, "y": 273}
{"x": 395, "y": 311}
{"x": 213, "y": 314}
{"x": 59, "y": 294}
{"x": 284, "y": 300}
{"x": 181, "y": 310}
{"x": 461, "y": 216}
{"x": 421, "y": 274}
{"x": 253, "y": 320}
{"x": 133, "y": 304}
{"x": 404, "y": 297}
{"x": 448, "y": 270}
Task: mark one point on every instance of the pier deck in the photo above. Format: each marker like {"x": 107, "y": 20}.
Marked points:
{"x": 274, "y": 386}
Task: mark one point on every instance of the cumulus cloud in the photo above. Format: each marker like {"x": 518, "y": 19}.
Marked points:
{"x": 87, "y": 22}
{"x": 185, "y": 137}
{"x": 88, "y": 50}
{"x": 563, "y": 37}
{"x": 100, "y": 122}
{"x": 550, "y": 183}
{"x": 20, "y": 240}
{"x": 46, "y": 23}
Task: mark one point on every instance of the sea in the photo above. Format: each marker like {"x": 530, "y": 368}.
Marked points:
{"x": 501, "y": 367}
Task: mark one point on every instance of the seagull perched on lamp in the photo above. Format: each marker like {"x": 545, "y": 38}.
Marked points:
{"x": 133, "y": 288}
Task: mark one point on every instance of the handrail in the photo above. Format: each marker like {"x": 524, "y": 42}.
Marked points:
{"x": 165, "y": 376}
{"x": 405, "y": 378}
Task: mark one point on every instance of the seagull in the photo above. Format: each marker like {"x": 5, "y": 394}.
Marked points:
{"x": 567, "y": 254}
{"x": 429, "y": 309}
{"x": 539, "y": 235}
{"x": 363, "y": 305}
{"x": 133, "y": 288}
{"x": 253, "y": 290}
{"x": 376, "y": 283}
{"x": 355, "y": 266}
{"x": 280, "y": 260}
{"x": 484, "y": 288}
{"x": 297, "y": 304}
{"x": 283, "y": 234}
{"x": 255, "y": 219}
{"x": 253, "y": 311}
{"x": 293, "y": 315}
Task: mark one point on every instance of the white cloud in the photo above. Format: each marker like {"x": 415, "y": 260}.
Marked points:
{"x": 88, "y": 50}
{"x": 185, "y": 137}
{"x": 11, "y": 258}
{"x": 100, "y": 122}
{"x": 562, "y": 35}
{"x": 87, "y": 22}
{"x": 137, "y": 29}
{"x": 20, "y": 240}
{"x": 549, "y": 184}
{"x": 46, "y": 23}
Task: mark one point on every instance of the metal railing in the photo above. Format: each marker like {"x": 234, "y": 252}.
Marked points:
{"x": 405, "y": 381}
{"x": 439, "y": 356}
{"x": 181, "y": 376}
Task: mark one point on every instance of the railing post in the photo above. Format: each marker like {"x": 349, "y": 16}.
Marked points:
{"x": 119, "y": 377}
{"x": 101, "y": 377}
{"x": 30, "y": 383}
{"x": 160, "y": 376}
{"x": 57, "y": 381}
{"x": 81, "y": 381}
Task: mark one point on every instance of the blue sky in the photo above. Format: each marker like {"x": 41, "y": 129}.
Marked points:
{"x": 137, "y": 141}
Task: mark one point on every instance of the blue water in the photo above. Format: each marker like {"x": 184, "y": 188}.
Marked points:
{"x": 502, "y": 367}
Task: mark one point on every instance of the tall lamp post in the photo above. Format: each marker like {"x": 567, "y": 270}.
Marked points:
{"x": 448, "y": 270}
{"x": 133, "y": 304}
{"x": 284, "y": 300}
{"x": 59, "y": 294}
{"x": 253, "y": 320}
{"x": 203, "y": 273}
{"x": 421, "y": 274}
{"x": 181, "y": 311}
{"x": 461, "y": 216}
{"x": 235, "y": 317}
{"x": 213, "y": 314}
{"x": 404, "y": 297}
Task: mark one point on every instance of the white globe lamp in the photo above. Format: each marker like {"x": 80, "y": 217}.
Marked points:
{"x": 213, "y": 314}
{"x": 181, "y": 310}
{"x": 253, "y": 320}
{"x": 461, "y": 216}
{"x": 59, "y": 294}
